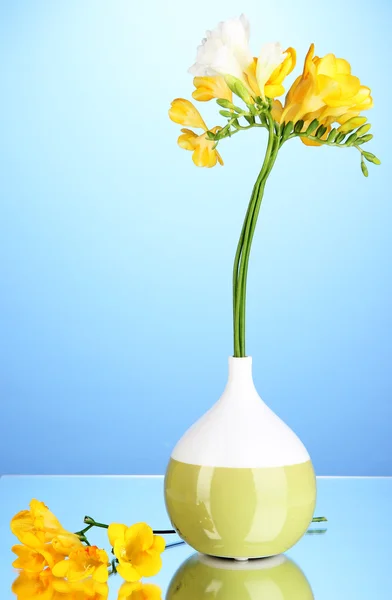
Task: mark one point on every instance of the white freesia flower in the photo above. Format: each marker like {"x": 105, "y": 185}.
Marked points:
{"x": 225, "y": 50}
{"x": 271, "y": 56}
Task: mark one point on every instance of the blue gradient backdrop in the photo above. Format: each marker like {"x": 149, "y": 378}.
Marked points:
{"x": 116, "y": 252}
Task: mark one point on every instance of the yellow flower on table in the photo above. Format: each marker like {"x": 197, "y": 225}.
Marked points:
{"x": 88, "y": 561}
{"x": 327, "y": 91}
{"x": 38, "y": 526}
{"x": 204, "y": 154}
{"x": 137, "y": 549}
{"x": 139, "y": 591}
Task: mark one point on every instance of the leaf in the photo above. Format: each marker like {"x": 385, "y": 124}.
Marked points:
{"x": 298, "y": 126}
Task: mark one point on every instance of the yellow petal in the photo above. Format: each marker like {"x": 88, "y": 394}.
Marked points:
{"x": 183, "y": 112}
{"x": 186, "y": 140}
{"x": 61, "y": 568}
{"x": 101, "y": 574}
{"x": 148, "y": 564}
{"x": 128, "y": 572}
{"x": 211, "y": 87}
{"x": 273, "y": 90}
{"x": 139, "y": 534}
{"x": 116, "y": 531}
{"x": 159, "y": 543}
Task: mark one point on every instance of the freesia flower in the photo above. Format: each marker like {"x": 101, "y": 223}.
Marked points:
{"x": 44, "y": 586}
{"x": 204, "y": 154}
{"x": 327, "y": 91}
{"x": 39, "y": 526}
{"x": 137, "y": 549}
{"x": 139, "y": 591}
{"x": 88, "y": 561}
{"x": 211, "y": 87}
{"x": 224, "y": 50}
{"x": 34, "y": 560}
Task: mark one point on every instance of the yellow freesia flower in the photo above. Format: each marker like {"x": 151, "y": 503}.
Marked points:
{"x": 327, "y": 91}
{"x": 185, "y": 113}
{"x": 211, "y": 87}
{"x": 88, "y": 561}
{"x": 139, "y": 591}
{"x": 38, "y": 526}
{"x": 44, "y": 586}
{"x": 137, "y": 549}
{"x": 34, "y": 560}
{"x": 265, "y": 79}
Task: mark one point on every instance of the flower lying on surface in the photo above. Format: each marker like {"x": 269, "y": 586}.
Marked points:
{"x": 84, "y": 562}
{"x": 44, "y": 586}
{"x": 137, "y": 550}
{"x": 34, "y": 560}
{"x": 139, "y": 591}
{"x": 204, "y": 154}
{"x": 38, "y": 527}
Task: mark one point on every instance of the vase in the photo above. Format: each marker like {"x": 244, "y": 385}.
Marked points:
{"x": 240, "y": 484}
{"x": 204, "y": 577}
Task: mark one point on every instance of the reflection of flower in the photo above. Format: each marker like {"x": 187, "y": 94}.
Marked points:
{"x": 137, "y": 549}
{"x": 39, "y": 526}
{"x": 139, "y": 591}
{"x": 82, "y": 563}
{"x": 44, "y": 586}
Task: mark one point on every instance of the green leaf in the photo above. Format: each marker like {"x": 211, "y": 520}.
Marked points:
{"x": 312, "y": 127}
{"x": 225, "y": 103}
{"x": 320, "y": 131}
{"x": 251, "y": 120}
{"x": 340, "y": 137}
{"x": 238, "y": 88}
{"x": 298, "y": 126}
{"x": 210, "y": 135}
{"x": 364, "y": 129}
{"x": 226, "y": 113}
{"x": 332, "y": 135}
{"x": 287, "y": 130}
{"x": 351, "y": 139}
{"x": 364, "y": 139}
{"x": 364, "y": 168}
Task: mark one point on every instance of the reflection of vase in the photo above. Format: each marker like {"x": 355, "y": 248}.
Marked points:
{"x": 240, "y": 483}
{"x": 206, "y": 578}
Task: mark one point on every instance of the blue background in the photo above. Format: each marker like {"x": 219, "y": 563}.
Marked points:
{"x": 116, "y": 252}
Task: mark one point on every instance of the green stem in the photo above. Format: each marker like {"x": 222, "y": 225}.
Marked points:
{"x": 241, "y": 260}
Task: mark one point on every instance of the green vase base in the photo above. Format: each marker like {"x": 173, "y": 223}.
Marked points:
{"x": 240, "y": 512}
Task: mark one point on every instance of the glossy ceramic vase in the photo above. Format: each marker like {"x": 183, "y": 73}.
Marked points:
{"x": 240, "y": 484}
{"x": 206, "y": 578}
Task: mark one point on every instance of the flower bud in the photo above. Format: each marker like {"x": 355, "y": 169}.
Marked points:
{"x": 238, "y": 88}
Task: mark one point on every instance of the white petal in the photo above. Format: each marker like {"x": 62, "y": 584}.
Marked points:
{"x": 224, "y": 50}
{"x": 271, "y": 56}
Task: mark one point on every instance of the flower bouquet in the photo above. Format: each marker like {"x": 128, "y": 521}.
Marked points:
{"x": 240, "y": 483}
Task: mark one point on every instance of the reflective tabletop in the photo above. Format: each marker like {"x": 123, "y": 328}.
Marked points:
{"x": 350, "y": 560}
